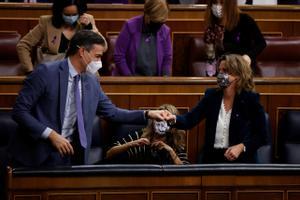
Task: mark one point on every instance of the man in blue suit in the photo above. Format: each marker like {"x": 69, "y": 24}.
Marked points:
{"x": 47, "y": 113}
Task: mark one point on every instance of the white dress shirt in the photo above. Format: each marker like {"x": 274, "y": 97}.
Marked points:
{"x": 69, "y": 120}
{"x": 222, "y": 129}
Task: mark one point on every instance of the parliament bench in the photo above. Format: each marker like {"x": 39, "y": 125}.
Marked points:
{"x": 289, "y": 137}
{"x": 9, "y": 61}
{"x": 143, "y": 182}
{"x": 281, "y": 57}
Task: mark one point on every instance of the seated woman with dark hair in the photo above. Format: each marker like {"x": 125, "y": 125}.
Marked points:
{"x": 230, "y": 31}
{"x": 52, "y": 34}
{"x": 155, "y": 144}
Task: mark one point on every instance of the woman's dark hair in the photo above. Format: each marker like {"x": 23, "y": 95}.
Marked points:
{"x": 86, "y": 39}
{"x": 58, "y": 7}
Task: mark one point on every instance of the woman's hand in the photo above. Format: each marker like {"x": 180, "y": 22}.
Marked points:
{"x": 161, "y": 145}
{"x": 159, "y": 115}
{"x": 84, "y": 19}
{"x": 233, "y": 152}
{"x": 139, "y": 142}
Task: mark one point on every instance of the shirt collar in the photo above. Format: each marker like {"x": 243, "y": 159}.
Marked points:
{"x": 72, "y": 71}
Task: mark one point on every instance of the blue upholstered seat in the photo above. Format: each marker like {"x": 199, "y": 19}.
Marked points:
{"x": 289, "y": 137}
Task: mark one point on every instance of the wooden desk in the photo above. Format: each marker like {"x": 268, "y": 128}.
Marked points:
{"x": 155, "y": 182}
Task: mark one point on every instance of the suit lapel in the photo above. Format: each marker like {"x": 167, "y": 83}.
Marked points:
{"x": 235, "y": 117}
{"x": 216, "y": 105}
{"x": 63, "y": 83}
{"x": 138, "y": 34}
{"x": 159, "y": 52}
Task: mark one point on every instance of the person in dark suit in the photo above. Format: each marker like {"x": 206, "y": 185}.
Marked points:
{"x": 58, "y": 102}
{"x": 235, "y": 120}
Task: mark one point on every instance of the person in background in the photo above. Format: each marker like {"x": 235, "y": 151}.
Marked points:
{"x": 143, "y": 47}
{"x": 230, "y": 31}
{"x": 293, "y": 2}
{"x": 50, "y": 38}
{"x": 235, "y": 124}
{"x": 109, "y": 1}
{"x": 243, "y": 2}
{"x": 158, "y": 143}
{"x": 56, "y": 107}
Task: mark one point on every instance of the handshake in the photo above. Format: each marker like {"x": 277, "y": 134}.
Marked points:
{"x": 164, "y": 116}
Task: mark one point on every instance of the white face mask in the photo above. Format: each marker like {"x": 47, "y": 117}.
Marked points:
{"x": 94, "y": 66}
{"x": 217, "y": 10}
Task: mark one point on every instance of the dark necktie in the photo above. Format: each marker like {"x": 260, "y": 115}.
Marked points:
{"x": 80, "y": 123}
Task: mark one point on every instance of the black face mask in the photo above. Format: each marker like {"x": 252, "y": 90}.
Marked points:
{"x": 153, "y": 27}
{"x": 223, "y": 80}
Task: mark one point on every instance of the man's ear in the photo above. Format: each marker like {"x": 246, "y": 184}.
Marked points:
{"x": 81, "y": 51}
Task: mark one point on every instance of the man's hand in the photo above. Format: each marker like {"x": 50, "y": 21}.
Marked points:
{"x": 62, "y": 145}
{"x": 159, "y": 115}
{"x": 170, "y": 118}
{"x": 233, "y": 152}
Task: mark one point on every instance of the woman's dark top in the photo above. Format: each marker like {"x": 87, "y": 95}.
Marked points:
{"x": 245, "y": 38}
{"x": 146, "y": 56}
{"x": 64, "y": 44}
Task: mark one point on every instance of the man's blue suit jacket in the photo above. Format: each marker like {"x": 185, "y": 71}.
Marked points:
{"x": 41, "y": 104}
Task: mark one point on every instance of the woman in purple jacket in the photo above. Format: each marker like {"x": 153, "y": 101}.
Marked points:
{"x": 143, "y": 47}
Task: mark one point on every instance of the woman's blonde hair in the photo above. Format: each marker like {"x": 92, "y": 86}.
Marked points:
{"x": 156, "y": 11}
{"x": 230, "y": 18}
{"x": 177, "y": 137}
{"x": 235, "y": 64}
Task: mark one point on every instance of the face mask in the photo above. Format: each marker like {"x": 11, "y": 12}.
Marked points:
{"x": 93, "y": 66}
{"x": 161, "y": 127}
{"x": 154, "y": 26}
{"x": 70, "y": 19}
{"x": 217, "y": 10}
{"x": 223, "y": 80}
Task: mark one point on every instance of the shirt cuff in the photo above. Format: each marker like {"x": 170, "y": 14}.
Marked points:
{"x": 146, "y": 114}
{"x": 46, "y": 133}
